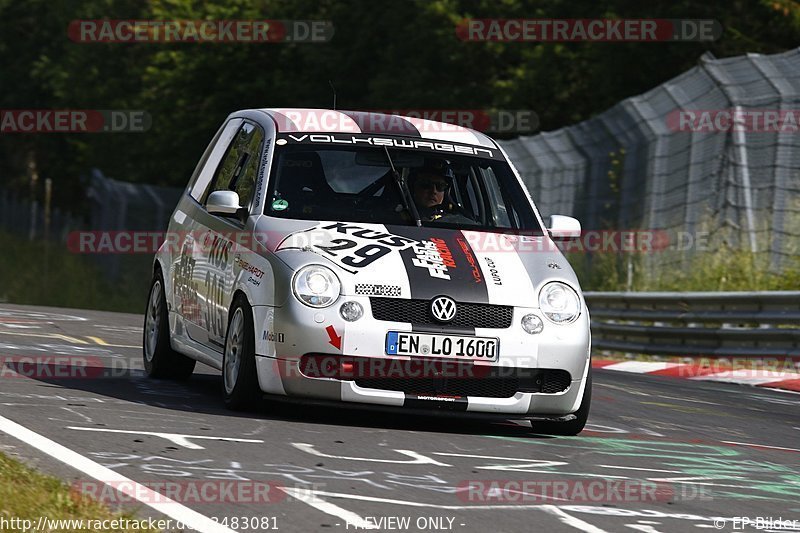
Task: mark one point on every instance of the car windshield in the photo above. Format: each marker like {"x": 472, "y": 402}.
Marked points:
{"x": 357, "y": 184}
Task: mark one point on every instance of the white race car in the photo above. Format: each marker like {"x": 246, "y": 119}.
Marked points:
{"x": 369, "y": 259}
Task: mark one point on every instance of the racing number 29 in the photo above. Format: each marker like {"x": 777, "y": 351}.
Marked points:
{"x": 358, "y": 258}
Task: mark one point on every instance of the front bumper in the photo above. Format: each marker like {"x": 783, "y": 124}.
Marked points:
{"x": 285, "y": 334}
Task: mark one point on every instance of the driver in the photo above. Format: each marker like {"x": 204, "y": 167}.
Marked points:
{"x": 428, "y": 186}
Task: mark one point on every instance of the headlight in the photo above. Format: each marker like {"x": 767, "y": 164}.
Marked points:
{"x": 559, "y": 303}
{"x": 316, "y": 286}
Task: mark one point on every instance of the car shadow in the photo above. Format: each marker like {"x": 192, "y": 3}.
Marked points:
{"x": 202, "y": 393}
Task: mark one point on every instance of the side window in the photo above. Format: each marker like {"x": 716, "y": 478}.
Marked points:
{"x": 239, "y": 168}
{"x": 199, "y": 189}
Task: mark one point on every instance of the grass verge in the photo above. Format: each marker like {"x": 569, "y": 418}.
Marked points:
{"x": 27, "y": 495}
{"x": 721, "y": 270}
{"x": 46, "y": 273}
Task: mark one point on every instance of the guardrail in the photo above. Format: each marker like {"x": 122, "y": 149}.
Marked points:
{"x": 697, "y": 324}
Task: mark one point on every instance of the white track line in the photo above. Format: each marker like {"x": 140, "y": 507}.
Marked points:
{"x": 311, "y": 498}
{"x": 408, "y": 503}
{"x": 570, "y": 520}
{"x": 751, "y": 445}
{"x": 191, "y": 519}
{"x": 176, "y": 438}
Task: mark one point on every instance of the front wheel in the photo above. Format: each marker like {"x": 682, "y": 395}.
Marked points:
{"x": 160, "y": 360}
{"x": 239, "y": 377}
{"x": 573, "y": 427}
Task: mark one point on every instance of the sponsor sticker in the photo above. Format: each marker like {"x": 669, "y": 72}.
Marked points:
{"x": 392, "y": 142}
{"x": 434, "y": 256}
{"x": 350, "y": 246}
{"x": 493, "y": 271}
{"x": 377, "y": 289}
{"x": 476, "y": 271}
{"x": 273, "y": 336}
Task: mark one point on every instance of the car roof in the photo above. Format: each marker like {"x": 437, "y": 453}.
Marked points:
{"x": 303, "y": 120}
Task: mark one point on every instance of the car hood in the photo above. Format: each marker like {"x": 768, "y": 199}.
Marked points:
{"x": 422, "y": 262}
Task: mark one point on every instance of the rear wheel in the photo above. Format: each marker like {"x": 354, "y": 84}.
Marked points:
{"x": 160, "y": 360}
{"x": 239, "y": 377}
{"x": 573, "y": 427}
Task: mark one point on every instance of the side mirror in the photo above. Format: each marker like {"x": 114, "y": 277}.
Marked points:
{"x": 563, "y": 227}
{"x": 225, "y": 203}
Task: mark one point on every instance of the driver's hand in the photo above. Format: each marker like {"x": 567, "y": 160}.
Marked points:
{"x": 438, "y": 213}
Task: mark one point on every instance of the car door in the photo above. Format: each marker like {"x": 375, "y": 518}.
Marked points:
{"x": 186, "y": 276}
{"x": 217, "y": 233}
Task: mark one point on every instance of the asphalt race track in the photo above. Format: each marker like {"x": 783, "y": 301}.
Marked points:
{"x": 689, "y": 455}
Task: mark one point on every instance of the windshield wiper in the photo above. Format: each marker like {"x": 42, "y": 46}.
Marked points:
{"x": 405, "y": 193}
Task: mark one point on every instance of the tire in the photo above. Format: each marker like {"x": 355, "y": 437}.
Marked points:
{"x": 160, "y": 360}
{"x": 573, "y": 427}
{"x": 240, "y": 387}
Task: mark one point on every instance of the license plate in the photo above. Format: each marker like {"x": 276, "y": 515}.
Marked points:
{"x": 452, "y": 346}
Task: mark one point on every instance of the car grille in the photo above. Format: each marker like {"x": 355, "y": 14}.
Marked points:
{"x": 469, "y": 315}
{"x": 547, "y": 381}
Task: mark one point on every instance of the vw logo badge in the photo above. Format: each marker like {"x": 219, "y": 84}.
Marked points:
{"x": 443, "y": 308}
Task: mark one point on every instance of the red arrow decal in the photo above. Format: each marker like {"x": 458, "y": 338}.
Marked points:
{"x": 335, "y": 340}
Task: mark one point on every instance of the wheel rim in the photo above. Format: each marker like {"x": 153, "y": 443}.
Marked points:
{"x": 153, "y": 321}
{"x": 233, "y": 350}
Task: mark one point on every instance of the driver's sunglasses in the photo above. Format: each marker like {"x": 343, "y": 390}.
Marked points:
{"x": 440, "y": 186}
